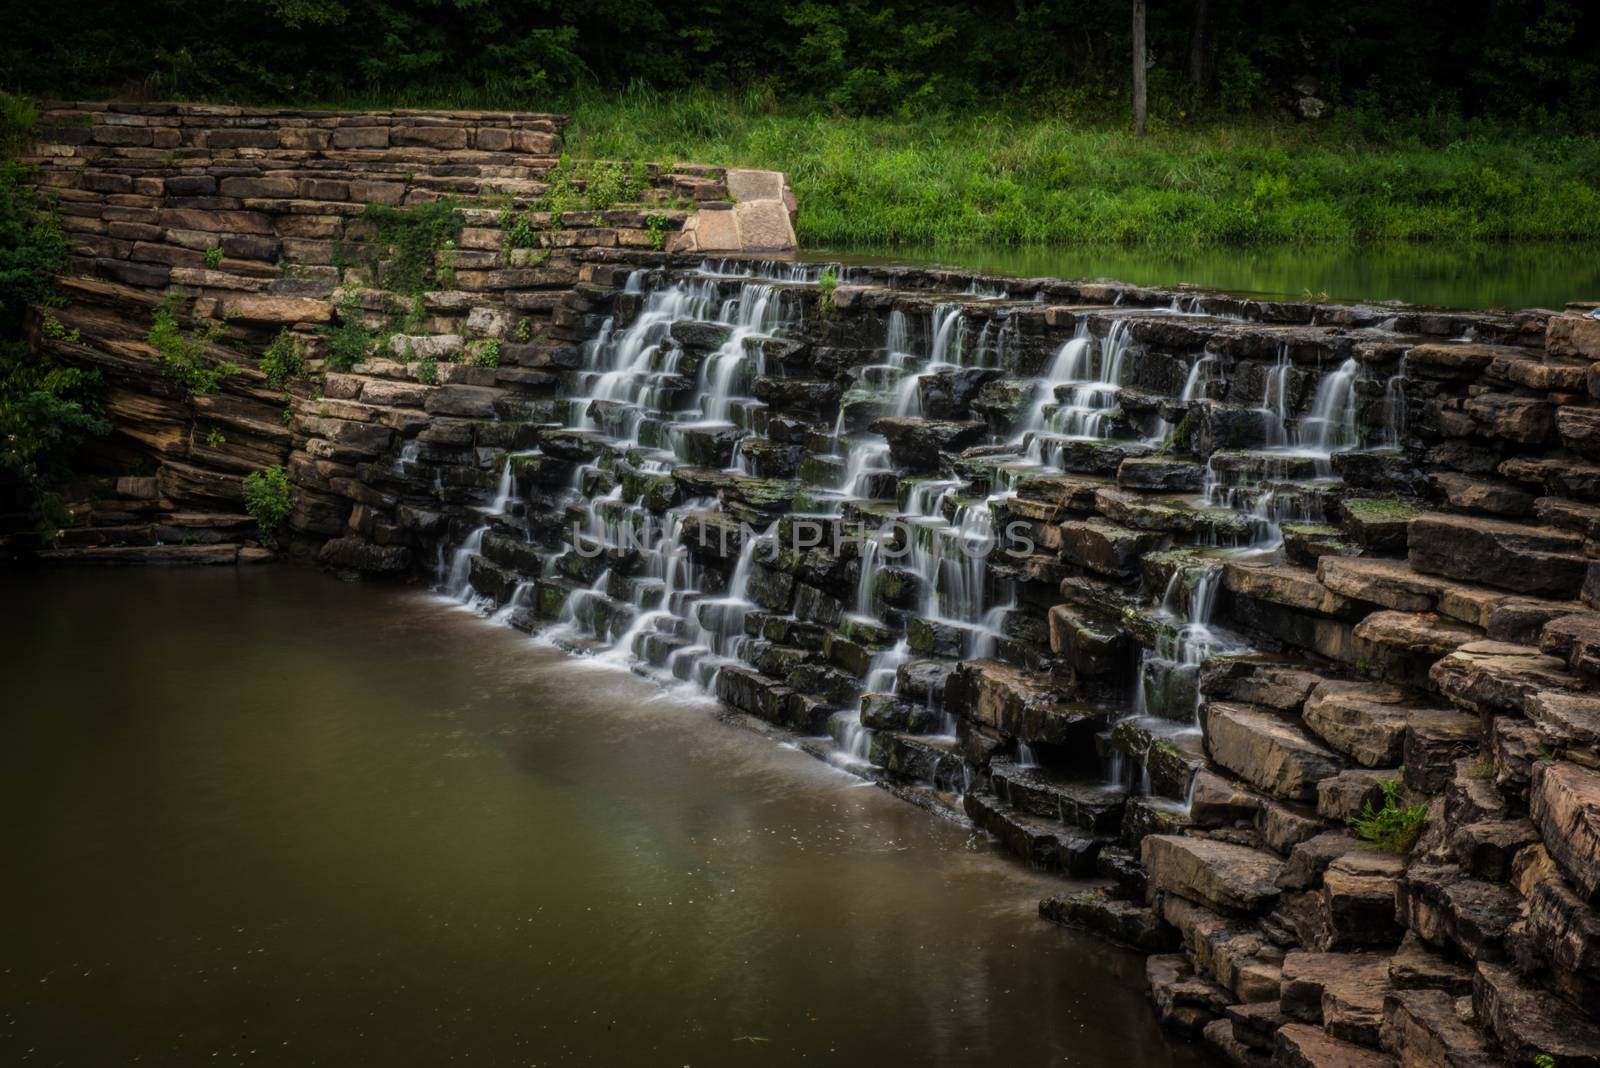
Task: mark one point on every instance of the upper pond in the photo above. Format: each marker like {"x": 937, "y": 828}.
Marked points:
{"x": 264, "y": 816}
{"x": 1505, "y": 276}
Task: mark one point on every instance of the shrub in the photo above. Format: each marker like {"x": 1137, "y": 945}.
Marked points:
{"x": 428, "y": 371}
{"x": 183, "y": 355}
{"x": 1394, "y": 826}
{"x": 213, "y": 258}
{"x": 282, "y": 359}
{"x": 486, "y": 354}
{"x": 348, "y": 342}
{"x": 268, "y": 499}
{"x": 404, "y": 253}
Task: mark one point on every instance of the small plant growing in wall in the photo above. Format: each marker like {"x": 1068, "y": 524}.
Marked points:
{"x": 350, "y": 341}
{"x": 182, "y": 354}
{"x": 656, "y": 227}
{"x": 427, "y": 371}
{"x": 282, "y": 359}
{"x": 213, "y": 258}
{"x": 486, "y": 354}
{"x": 215, "y": 438}
{"x": 413, "y": 249}
{"x": 55, "y": 331}
{"x": 827, "y": 282}
{"x": 1394, "y": 826}
{"x": 268, "y": 500}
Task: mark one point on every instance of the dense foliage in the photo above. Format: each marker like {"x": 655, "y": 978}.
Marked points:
{"x": 269, "y": 500}
{"x": 1523, "y": 59}
{"x": 45, "y": 409}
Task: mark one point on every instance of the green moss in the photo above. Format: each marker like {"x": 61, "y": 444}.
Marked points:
{"x": 1374, "y": 510}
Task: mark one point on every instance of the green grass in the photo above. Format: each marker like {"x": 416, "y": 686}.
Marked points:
{"x": 1008, "y": 180}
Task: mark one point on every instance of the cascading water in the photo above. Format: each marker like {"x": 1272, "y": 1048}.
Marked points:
{"x": 665, "y": 385}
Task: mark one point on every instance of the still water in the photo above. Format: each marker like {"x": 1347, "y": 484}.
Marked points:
{"x": 263, "y": 816}
{"x": 1479, "y": 276}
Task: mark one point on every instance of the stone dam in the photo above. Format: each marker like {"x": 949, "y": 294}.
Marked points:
{"x": 1159, "y": 588}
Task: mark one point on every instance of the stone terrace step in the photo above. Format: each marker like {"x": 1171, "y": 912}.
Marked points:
{"x": 1090, "y": 805}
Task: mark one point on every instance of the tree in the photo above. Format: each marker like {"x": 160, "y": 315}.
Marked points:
{"x": 1200, "y": 47}
{"x": 1139, "y": 105}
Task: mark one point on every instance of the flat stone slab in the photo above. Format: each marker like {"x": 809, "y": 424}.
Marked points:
{"x": 1272, "y": 753}
{"x": 1529, "y": 1021}
{"x": 1229, "y": 878}
{"x": 1564, "y": 803}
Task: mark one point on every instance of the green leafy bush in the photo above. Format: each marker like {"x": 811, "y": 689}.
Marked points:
{"x": 350, "y": 340}
{"x": 282, "y": 359}
{"x": 427, "y": 371}
{"x": 1394, "y": 826}
{"x": 268, "y": 499}
{"x": 184, "y": 354}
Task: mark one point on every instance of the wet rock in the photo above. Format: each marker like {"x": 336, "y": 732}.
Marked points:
{"x": 1087, "y": 805}
{"x": 1423, "y": 1029}
{"x": 1528, "y": 559}
{"x": 1564, "y": 803}
{"x": 1006, "y": 698}
{"x": 1229, "y": 878}
{"x": 1529, "y": 1022}
{"x": 1347, "y": 793}
{"x": 1435, "y": 740}
{"x": 1104, "y": 547}
{"x": 1216, "y": 801}
{"x": 699, "y": 336}
{"x": 1092, "y": 644}
{"x": 1268, "y": 751}
{"x": 924, "y": 680}
{"x": 1447, "y": 908}
{"x": 1258, "y": 680}
{"x": 1125, "y": 922}
{"x": 1574, "y": 638}
{"x": 1416, "y": 967}
{"x": 1306, "y": 543}
{"x": 1489, "y": 677}
{"x": 1366, "y": 721}
{"x": 1305, "y": 1046}
{"x": 916, "y": 443}
{"x": 1043, "y": 845}
{"x": 795, "y": 393}
{"x": 1160, "y": 473}
{"x": 1255, "y": 1026}
{"x": 1379, "y": 525}
{"x": 1343, "y": 992}
{"x": 1492, "y": 496}
{"x": 1485, "y": 848}
{"x": 1358, "y": 890}
{"x": 1291, "y": 587}
{"x": 1185, "y": 1001}
{"x": 1219, "y": 1037}
{"x": 1568, "y": 719}
{"x": 1566, "y": 933}
{"x": 1309, "y": 859}
{"x": 356, "y": 554}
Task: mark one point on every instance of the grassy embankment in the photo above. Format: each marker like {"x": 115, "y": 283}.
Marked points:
{"x": 1013, "y": 179}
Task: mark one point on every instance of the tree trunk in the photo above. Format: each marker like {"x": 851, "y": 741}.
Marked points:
{"x": 1200, "y": 47}
{"x": 1138, "y": 67}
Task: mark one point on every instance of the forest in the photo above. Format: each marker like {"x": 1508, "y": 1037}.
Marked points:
{"x": 1535, "y": 63}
